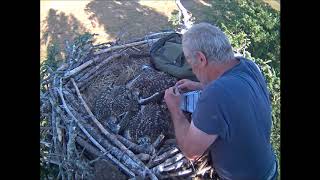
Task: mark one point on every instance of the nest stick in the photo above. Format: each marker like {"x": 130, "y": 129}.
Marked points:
{"x": 80, "y": 68}
{"x": 143, "y": 156}
{"x": 179, "y": 173}
{"x": 186, "y": 17}
{"x": 167, "y": 162}
{"x": 136, "y": 148}
{"x": 116, "y": 152}
{"x": 157, "y": 142}
{"x": 175, "y": 166}
{"x": 125, "y": 45}
{"x": 97, "y": 67}
{"x": 110, "y": 136}
{"x": 165, "y": 155}
{"x": 88, "y": 135}
{"x": 91, "y": 149}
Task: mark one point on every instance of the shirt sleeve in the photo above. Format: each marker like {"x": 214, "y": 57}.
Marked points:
{"x": 208, "y": 115}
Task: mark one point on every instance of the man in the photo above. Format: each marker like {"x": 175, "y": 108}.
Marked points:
{"x": 233, "y": 115}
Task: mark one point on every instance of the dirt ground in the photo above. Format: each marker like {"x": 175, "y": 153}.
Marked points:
{"x": 110, "y": 19}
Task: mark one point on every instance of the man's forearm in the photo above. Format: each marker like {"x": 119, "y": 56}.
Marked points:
{"x": 181, "y": 126}
{"x": 199, "y": 86}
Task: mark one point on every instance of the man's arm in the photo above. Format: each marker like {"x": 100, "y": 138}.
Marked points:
{"x": 192, "y": 141}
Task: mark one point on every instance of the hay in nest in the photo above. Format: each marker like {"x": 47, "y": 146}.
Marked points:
{"x": 96, "y": 122}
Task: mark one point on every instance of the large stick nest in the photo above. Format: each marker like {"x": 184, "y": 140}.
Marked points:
{"x": 95, "y": 127}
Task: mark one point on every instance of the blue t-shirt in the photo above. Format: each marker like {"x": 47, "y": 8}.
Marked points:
{"x": 237, "y": 108}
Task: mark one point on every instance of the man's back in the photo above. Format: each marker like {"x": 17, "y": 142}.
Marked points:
{"x": 237, "y": 108}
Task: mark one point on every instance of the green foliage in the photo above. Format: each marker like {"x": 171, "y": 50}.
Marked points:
{"x": 174, "y": 19}
{"x": 255, "y": 20}
{"x": 53, "y": 57}
{"x": 255, "y": 33}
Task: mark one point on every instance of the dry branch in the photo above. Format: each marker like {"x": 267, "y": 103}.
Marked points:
{"x": 95, "y": 68}
{"x": 157, "y": 142}
{"x": 179, "y": 173}
{"x": 110, "y": 136}
{"x": 79, "y": 68}
{"x": 143, "y": 156}
{"x": 72, "y": 121}
{"x": 125, "y": 45}
{"x": 147, "y": 149}
{"x": 186, "y": 16}
{"x": 91, "y": 149}
{"x": 166, "y": 154}
{"x": 159, "y": 168}
{"x": 89, "y": 136}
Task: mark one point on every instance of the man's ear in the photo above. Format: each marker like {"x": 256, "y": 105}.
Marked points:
{"x": 202, "y": 58}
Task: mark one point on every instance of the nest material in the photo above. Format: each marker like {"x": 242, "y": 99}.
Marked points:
{"x": 96, "y": 122}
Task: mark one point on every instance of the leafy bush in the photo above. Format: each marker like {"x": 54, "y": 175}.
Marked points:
{"x": 255, "y": 20}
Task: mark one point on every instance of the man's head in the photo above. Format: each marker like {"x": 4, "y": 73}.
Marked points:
{"x": 205, "y": 47}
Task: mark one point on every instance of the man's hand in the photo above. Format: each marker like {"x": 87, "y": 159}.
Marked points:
{"x": 188, "y": 85}
{"x": 172, "y": 100}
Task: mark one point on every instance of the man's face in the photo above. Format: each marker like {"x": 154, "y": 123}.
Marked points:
{"x": 195, "y": 65}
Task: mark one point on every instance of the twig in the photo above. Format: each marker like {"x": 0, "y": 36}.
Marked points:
{"x": 155, "y": 96}
{"x": 180, "y": 173}
{"x": 186, "y": 17}
{"x": 126, "y": 134}
{"x": 165, "y": 155}
{"x": 167, "y": 162}
{"x": 95, "y": 69}
{"x": 125, "y": 45}
{"x": 170, "y": 142}
{"x": 175, "y": 165}
{"x": 143, "y": 156}
{"x": 147, "y": 149}
{"x": 90, "y": 137}
{"x": 157, "y": 142}
{"x": 79, "y": 68}
{"x": 110, "y": 136}
{"x": 45, "y": 143}
{"x": 94, "y": 151}
{"x": 116, "y": 152}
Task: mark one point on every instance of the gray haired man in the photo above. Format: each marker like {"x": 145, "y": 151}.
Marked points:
{"x": 233, "y": 115}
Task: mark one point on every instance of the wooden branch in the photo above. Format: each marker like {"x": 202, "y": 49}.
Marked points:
{"x": 170, "y": 142}
{"x": 116, "y": 152}
{"x": 91, "y": 149}
{"x": 88, "y": 135}
{"x": 147, "y": 149}
{"x": 165, "y": 155}
{"x": 143, "y": 156}
{"x": 80, "y": 68}
{"x": 155, "y": 97}
{"x": 203, "y": 170}
{"x": 95, "y": 69}
{"x": 167, "y": 162}
{"x": 125, "y": 45}
{"x": 175, "y": 166}
{"x": 157, "y": 142}
{"x": 186, "y": 17}
{"x": 180, "y": 173}
{"x": 126, "y": 134}
{"x": 110, "y": 136}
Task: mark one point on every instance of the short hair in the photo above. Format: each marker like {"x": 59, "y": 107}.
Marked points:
{"x": 210, "y": 40}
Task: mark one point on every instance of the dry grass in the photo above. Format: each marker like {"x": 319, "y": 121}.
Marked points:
{"x": 63, "y": 20}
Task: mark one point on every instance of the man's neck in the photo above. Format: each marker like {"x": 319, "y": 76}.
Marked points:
{"x": 219, "y": 69}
